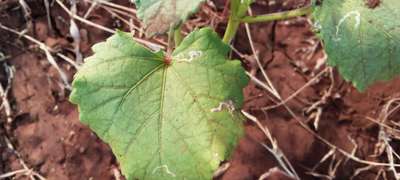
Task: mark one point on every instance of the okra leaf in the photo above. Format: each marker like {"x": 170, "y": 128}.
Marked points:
{"x": 163, "y": 119}
{"x": 362, "y": 39}
{"x": 160, "y": 15}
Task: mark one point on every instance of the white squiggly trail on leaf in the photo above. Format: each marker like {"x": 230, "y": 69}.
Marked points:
{"x": 357, "y": 17}
{"x": 190, "y": 56}
{"x": 165, "y": 168}
{"x": 317, "y": 25}
{"x": 225, "y": 104}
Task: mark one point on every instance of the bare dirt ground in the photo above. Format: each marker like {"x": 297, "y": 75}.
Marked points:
{"x": 324, "y": 127}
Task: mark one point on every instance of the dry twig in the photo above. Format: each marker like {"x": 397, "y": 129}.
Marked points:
{"x": 274, "y": 150}
{"x": 149, "y": 44}
{"x": 270, "y": 88}
{"x": 25, "y": 171}
{"x": 4, "y": 93}
{"x": 46, "y": 49}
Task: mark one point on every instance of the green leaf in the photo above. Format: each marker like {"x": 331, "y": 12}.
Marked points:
{"x": 363, "y": 42}
{"x": 163, "y": 121}
{"x": 160, "y": 15}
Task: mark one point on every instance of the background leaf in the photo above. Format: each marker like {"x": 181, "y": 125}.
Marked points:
{"x": 163, "y": 121}
{"x": 159, "y": 15}
{"x": 362, "y": 42}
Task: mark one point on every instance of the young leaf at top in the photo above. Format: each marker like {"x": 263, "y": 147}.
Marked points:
{"x": 174, "y": 120}
{"x": 362, "y": 41}
{"x": 160, "y": 15}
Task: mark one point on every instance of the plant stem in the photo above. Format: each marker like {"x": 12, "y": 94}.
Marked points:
{"x": 178, "y": 36}
{"x": 278, "y": 15}
{"x": 231, "y": 29}
{"x": 170, "y": 41}
{"x": 237, "y": 11}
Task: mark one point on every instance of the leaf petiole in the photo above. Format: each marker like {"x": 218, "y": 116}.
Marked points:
{"x": 238, "y": 9}
{"x": 178, "y": 35}
{"x": 278, "y": 16}
{"x": 170, "y": 46}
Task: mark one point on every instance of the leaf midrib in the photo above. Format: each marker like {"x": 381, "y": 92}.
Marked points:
{"x": 161, "y": 117}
